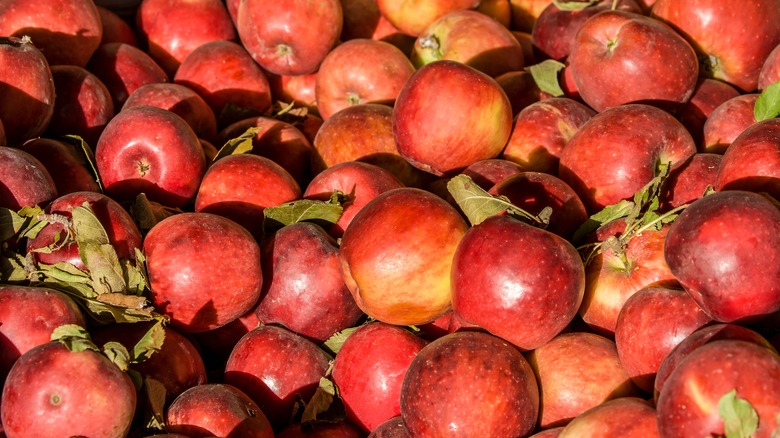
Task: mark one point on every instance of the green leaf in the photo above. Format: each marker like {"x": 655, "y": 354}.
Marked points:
{"x": 545, "y": 75}
{"x": 336, "y": 341}
{"x": 135, "y": 274}
{"x": 768, "y": 103}
{"x": 63, "y": 272}
{"x": 117, "y": 354}
{"x": 105, "y": 313}
{"x": 325, "y": 405}
{"x": 26, "y": 222}
{"x": 85, "y": 153}
{"x": 477, "y": 204}
{"x": 304, "y": 210}
{"x": 12, "y": 267}
{"x": 740, "y": 419}
{"x": 74, "y": 337}
{"x": 150, "y": 343}
{"x": 573, "y": 5}
{"x": 242, "y": 144}
{"x": 87, "y": 226}
{"x": 104, "y": 268}
{"x": 147, "y": 214}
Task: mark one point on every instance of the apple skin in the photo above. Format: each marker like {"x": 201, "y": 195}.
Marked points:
{"x": 303, "y": 289}
{"x": 752, "y": 162}
{"x": 434, "y": 96}
{"x": 187, "y": 285}
{"x": 217, "y": 344}
{"x": 171, "y": 30}
{"x": 28, "y": 316}
{"x": 26, "y": 82}
{"x": 709, "y": 94}
{"x": 216, "y": 409}
{"x": 291, "y": 37}
{"x": 651, "y": 323}
{"x": 392, "y": 428}
{"x": 743, "y": 366}
{"x": 68, "y": 35}
{"x": 122, "y": 68}
{"x": 472, "y": 38}
{"x": 3, "y": 141}
{"x": 396, "y": 273}
{"x": 702, "y": 336}
{"x": 541, "y": 130}
{"x": 79, "y": 394}
{"x": 566, "y": 391}
{"x": 612, "y": 64}
{"x": 520, "y": 89}
{"x": 274, "y": 367}
{"x": 362, "y": 19}
{"x": 223, "y": 73}
{"x": 341, "y": 429}
{"x": 115, "y": 28}
{"x": 369, "y": 370}
{"x": 24, "y": 179}
{"x": 360, "y": 71}
{"x": 770, "y": 71}
{"x": 690, "y": 181}
{"x": 64, "y": 163}
{"x": 469, "y": 384}
{"x": 180, "y": 100}
{"x": 727, "y": 121}
{"x": 299, "y": 90}
{"x": 360, "y": 181}
{"x": 239, "y": 187}
{"x": 526, "y": 12}
{"x": 413, "y": 16}
{"x": 83, "y": 105}
{"x": 642, "y": 136}
{"x": 723, "y": 250}
{"x": 736, "y": 59}
{"x": 625, "y": 416}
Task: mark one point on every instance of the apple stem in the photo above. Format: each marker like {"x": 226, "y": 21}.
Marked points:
{"x": 431, "y": 43}
{"x": 660, "y": 218}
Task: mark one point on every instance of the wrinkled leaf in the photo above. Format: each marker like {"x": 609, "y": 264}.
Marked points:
{"x": 24, "y": 223}
{"x": 545, "y": 76}
{"x": 325, "y": 405}
{"x": 150, "y": 343}
{"x": 117, "y": 354}
{"x": 12, "y": 267}
{"x": 336, "y": 341}
{"x": 104, "y": 268}
{"x": 740, "y": 419}
{"x": 302, "y": 210}
{"x": 565, "y": 5}
{"x": 64, "y": 272}
{"x": 239, "y": 145}
{"x": 147, "y": 214}
{"x": 75, "y": 337}
{"x": 155, "y": 398}
{"x": 87, "y": 226}
{"x": 86, "y": 155}
{"x": 121, "y": 300}
{"x": 135, "y": 274}
{"x": 475, "y": 202}
{"x": 768, "y": 103}
{"x": 105, "y": 313}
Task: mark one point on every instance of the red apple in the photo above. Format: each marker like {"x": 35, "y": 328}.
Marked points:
{"x": 612, "y": 64}
{"x": 26, "y": 83}
{"x": 360, "y": 71}
{"x": 188, "y": 284}
{"x": 770, "y": 71}
{"x": 369, "y": 370}
{"x": 470, "y": 384}
{"x": 472, "y": 38}
{"x": 732, "y": 57}
{"x": 65, "y": 164}
{"x": 432, "y": 130}
{"x": 340, "y": 429}
{"x": 525, "y": 13}
{"x": 625, "y": 416}
{"x": 752, "y": 162}
{"x": 115, "y": 28}
{"x": 727, "y": 121}
{"x": 690, "y": 181}
{"x": 299, "y": 90}
{"x": 303, "y": 289}
{"x": 217, "y": 344}
{"x": 413, "y": 16}
{"x": 487, "y": 173}
{"x": 709, "y": 94}
{"x": 68, "y": 34}
{"x": 291, "y": 37}
{"x": 723, "y": 249}
{"x": 392, "y": 428}
{"x": 24, "y": 179}
{"x": 521, "y": 89}
{"x": 171, "y": 30}
{"x": 3, "y": 141}
{"x": 362, "y": 19}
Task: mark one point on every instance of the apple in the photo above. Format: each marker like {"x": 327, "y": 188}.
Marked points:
{"x": 217, "y": 344}
{"x": 216, "y": 409}
{"x": 690, "y": 181}
{"x": 67, "y": 35}
{"x": 226, "y": 77}
{"x": 577, "y": 371}
{"x": 499, "y": 10}
{"x": 83, "y": 105}
{"x": 472, "y": 38}
{"x": 470, "y": 383}
{"x": 688, "y": 402}
{"x": 122, "y": 68}
{"x": 548, "y": 433}
{"x": 369, "y": 370}
{"x": 291, "y": 37}
{"x": 240, "y": 187}
{"x": 115, "y": 28}
{"x": 525, "y": 13}
{"x": 752, "y": 162}
{"x": 709, "y": 94}
{"x": 651, "y": 323}
{"x": 625, "y": 416}
{"x": 722, "y": 249}
{"x": 400, "y": 274}
{"x": 51, "y": 388}
{"x": 488, "y": 173}
{"x": 431, "y": 129}
{"x": 520, "y": 88}
{"x": 182, "y": 101}
{"x": 188, "y": 284}
{"x": 727, "y": 121}
{"x": 734, "y": 58}
{"x": 24, "y": 179}
{"x": 298, "y": 90}
{"x": 3, "y": 141}
{"x": 612, "y": 64}
{"x": 770, "y": 70}
{"x": 171, "y": 30}
{"x": 392, "y": 428}
{"x": 413, "y": 16}
{"x": 541, "y": 130}
{"x": 275, "y": 367}
{"x": 340, "y": 429}
{"x": 360, "y": 71}
{"x": 618, "y": 151}
{"x": 28, "y": 85}
{"x": 303, "y": 289}
{"x": 65, "y": 164}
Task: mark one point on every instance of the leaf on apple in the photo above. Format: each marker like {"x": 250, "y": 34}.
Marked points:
{"x": 146, "y": 213}
{"x": 477, "y": 204}
{"x": 12, "y": 267}
{"x": 573, "y": 5}
{"x": 117, "y": 354}
{"x": 75, "y": 337}
{"x": 740, "y": 419}
{"x": 325, "y": 405}
{"x": 85, "y": 154}
{"x": 151, "y": 342}
{"x": 336, "y": 341}
{"x": 768, "y": 103}
{"x": 239, "y": 145}
{"x": 323, "y": 213}
{"x": 27, "y": 222}
{"x": 287, "y": 112}
{"x": 155, "y": 404}
{"x": 545, "y": 75}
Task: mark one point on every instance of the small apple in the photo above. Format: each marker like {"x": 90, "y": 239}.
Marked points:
{"x": 24, "y": 179}
{"x": 65, "y": 164}
{"x": 413, "y": 16}
{"x": 752, "y": 162}
{"x": 709, "y": 94}
{"x": 727, "y": 121}
{"x": 625, "y": 416}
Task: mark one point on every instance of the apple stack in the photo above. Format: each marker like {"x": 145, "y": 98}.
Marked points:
{"x": 390, "y": 218}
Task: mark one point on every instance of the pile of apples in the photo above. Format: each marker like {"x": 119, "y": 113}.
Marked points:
{"x": 390, "y": 218}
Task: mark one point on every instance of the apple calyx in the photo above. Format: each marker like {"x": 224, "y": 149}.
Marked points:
{"x": 323, "y": 213}
{"x": 477, "y": 204}
{"x": 430, "y": 43}
{"x": 740, "y": 419}
{"x": 353, "y": 98}
{"x": 767, "y": 104}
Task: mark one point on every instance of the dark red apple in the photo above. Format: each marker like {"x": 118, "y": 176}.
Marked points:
{"x": 612, "y": 64}
{"x": 217, "y": 344}
{"x": 625, "y": 416}
{"x": 690, "y": 181}
{"x": 709, "y": 94}
{"x": 752, "y": 162}
{"x": 187, "y": 281}
{"x": 115, "y": 28}
{"x": 153, "y": 151}
{"x": 431, "y": 129}
{"x": 300, "y": 90}
{"x": 727, "y": 121}
{"x": 413, "y": 16}
{"x": 469, "y": 384}
{"x": 723, "y": 250}
{"x": 392, "y": 428}
{"x": 488, "y": 173}
{"x": 770, "y": 71}
{"x": 24, "y": 181}
{"x": 291, "y": 37}
{"x": 303, "y": 289}
{"x": 66, "y": 165}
